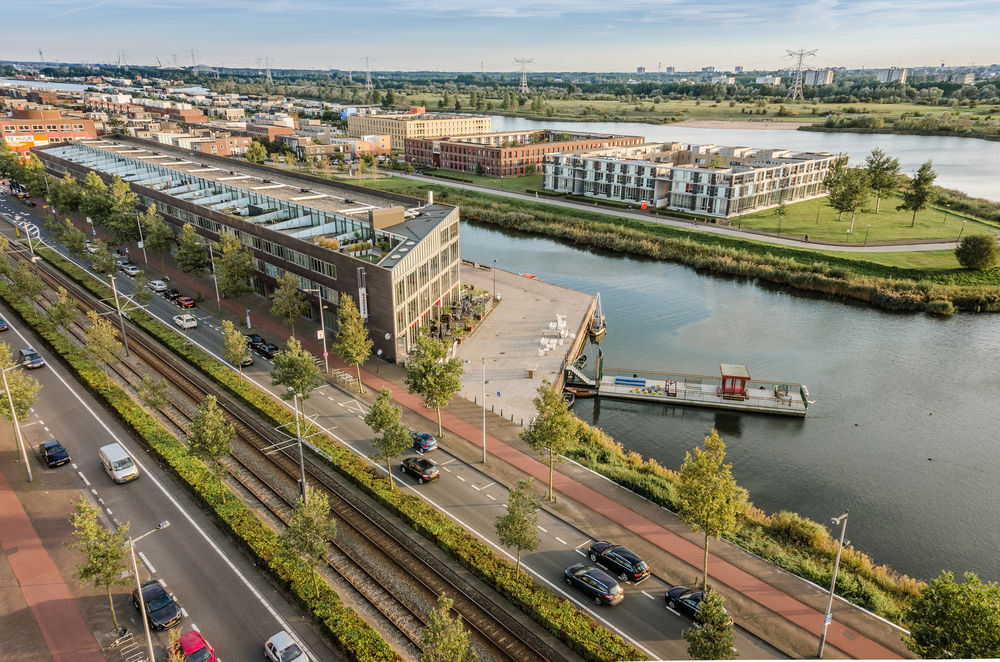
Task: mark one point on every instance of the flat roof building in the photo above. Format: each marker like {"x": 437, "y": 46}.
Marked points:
{"x": 396, "y": 256}
{"x": 400, "y": 126}
{"x": 707, "y": 180}
{"x": 29, "y": 128}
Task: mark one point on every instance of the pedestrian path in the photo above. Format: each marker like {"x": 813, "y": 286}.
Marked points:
{"x": 63, "y": 627}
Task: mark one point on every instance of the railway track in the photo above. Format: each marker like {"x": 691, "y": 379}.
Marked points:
{"x": 494, "y": 630}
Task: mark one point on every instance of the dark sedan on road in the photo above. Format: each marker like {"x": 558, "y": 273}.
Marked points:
{"x": 687, "y": 601}
{"x": 621, "y": 561}
{"x": 53, "y": 454}
{"x": 171, "y": 294}
{"x": 184, "y": 302}
{"x": 253, "y": 340}
{"x": 30, "y": 359}
{"x": 597, "y": 584}
{"x": 423, "y": 441}
{"x": 424, "y": 470}
{"x": 161, "y": 608}
{"x": 246, "y": 361}
{"x": 267, "y": 350}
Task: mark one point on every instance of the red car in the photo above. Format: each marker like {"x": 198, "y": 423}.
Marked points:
{"x": 194, "y": 648}
{"x": 184, "y": 302}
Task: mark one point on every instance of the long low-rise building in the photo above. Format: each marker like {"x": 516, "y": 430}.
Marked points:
{"x": 707, "y": 180}
{"x": 505, "y": 153}
{"x": 415, "y": 124}
{"x": 403, "y": 264}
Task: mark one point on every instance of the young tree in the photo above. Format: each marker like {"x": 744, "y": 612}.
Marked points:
{"x": 121, "y": 217}
{"x": 432, "y": 375}
{"x": 23, "y": 388}
{"x": 955, "y": 620}
{"x": 552, "y": 430}
{"x": 288, "y": 300}
{"x": 391, "y": 436}
{"x": 234, "y": 266}
{"x": 192, "y": 254}
{"x": 855, "y": 188}
{"x": 154, "y": 393}
{"x": 978, "y": 251}
{"x": 75, "y": 239}
{"x": 211, "y": 439}
{"x": 94, "y": 200}
{"x": 920, "y": 194}
{"x": 62, "y": 312}
{"x": 309, "y": 529}
{"x": 832, "y": 182}
{"x": 26, "y": 281}
{"x": 234, "y": 345}
{"x": 256, "y": 153}
{"x": 445, "y": 638}
{"x": 352, "y": 342}
{"x": 517, "y": 527}
{"x": 102, "y": 260}
{"x": 103, "y": 551}
{"x": 102, "y": 341}
{"x": 711, "y": 636}
{"x": 156, "y": 233}
{"x": 710, "y": 497}
{"x": 295, "y": 369}
{"x": 141, "y": 293}
{"x": 883, "y": 173}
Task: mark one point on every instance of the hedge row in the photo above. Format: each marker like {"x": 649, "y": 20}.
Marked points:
{"x": 575, "y": 628}
{"x": 354, "y": 636}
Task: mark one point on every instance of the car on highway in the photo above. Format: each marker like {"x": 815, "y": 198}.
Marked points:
{"x": 131, "y": 270}
{"x": 91, "y": 248}
{"x": 247, "y": 360}
{"x": 687, "y": 601}
{"x": 282, "y": 648}
{"x": 621, "y": 561}
{"x": 161, "y": 609}
{"x": 53, "y": 454}
{"x": 171, "y": 294}
{"x": 267, "y": 350}
{"x": 193, "y": 646}
{"x": 184, "y": 302}
{"x": 157, "y": 286}
{"x": 597, "y": 584}
{"x": 3, "y": 324}
{"x": 124, "y": 262}
{"x": 423, "y": 470}
{"x": 117, "y": 463}
{"x": 186, "y": 321}
{"x": 31, "y": 359}
{"x": 253, "y": 340}
{"x": 423, "y": 441}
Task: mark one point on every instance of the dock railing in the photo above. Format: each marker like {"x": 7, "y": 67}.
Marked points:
{"x": 702, "y": 388}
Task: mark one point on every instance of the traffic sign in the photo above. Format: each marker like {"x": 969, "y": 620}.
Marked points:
{"x": 829, "y": 618}
{"x": 326, "y": 354}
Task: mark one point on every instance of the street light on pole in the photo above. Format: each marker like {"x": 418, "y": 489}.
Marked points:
{"x": 322, "y": 327}
{"x": 121, "y": 319}
{"x": 867, "y": 228}
{"x": 138, "y": 585}
{"x": 961, "y": 231}
{"x": 17, "y": 426}
{"x": 298, "y": 438}
{"x": 215, "y": 280}
{"x": 484, "y": 410}
{"x": 494, "y": 279}
{"x": 842, "y": 520}
{"x": 142, "y": 243}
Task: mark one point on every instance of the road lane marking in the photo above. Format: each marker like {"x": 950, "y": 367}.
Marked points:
{"x": 183, "y": 610}
{"x": 93, "y": 491}
{"x": 108, "y": 511}
{"x": 648, "y": 595}
{"x": 581, "y": 552}
{"x": 460, "y": 478}
{"x": 587, "y": 542}
{"x": 448, "y": 462}
{"x": 146, "y": 562}
{"x": 543, "y": 530}
{"x": 83, "y": 478}
{"x": 560, "y": 540}
{"x": 490, "y": 496}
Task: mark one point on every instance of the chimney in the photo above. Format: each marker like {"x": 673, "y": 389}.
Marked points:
{"x": 430, "y": 198}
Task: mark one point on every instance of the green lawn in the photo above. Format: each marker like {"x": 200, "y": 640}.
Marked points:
{"x": 923, "y": 260}
{"x": 818, "y": 220}
{"x": 523, "y": 183}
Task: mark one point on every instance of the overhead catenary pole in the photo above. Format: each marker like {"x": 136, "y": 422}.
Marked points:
{"x": 842, "y": 520}
{"x": 484, "y": 410}
{"x": 17, "y": 426}
{"x": 142, "y": 243}
{"x": 121, "y": 319}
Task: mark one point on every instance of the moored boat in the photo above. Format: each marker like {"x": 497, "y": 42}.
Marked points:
{"x": 598, "y": 323}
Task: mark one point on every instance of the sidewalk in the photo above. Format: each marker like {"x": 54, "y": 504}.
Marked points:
{"x": 59, "y": 620}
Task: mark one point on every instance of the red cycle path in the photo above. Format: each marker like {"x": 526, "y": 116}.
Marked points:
{"x": 60, "y": 620}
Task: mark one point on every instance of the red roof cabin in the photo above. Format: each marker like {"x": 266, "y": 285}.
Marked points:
{"x": 734, "y": 381}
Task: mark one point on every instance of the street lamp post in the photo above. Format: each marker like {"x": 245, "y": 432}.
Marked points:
{"x": 867, "y": 228}
{"x": 215, "y": 279}
{"x": 484, "y": 410}
{"x": 138, "y": 585}
{"x": 842, "y": 520}
{"x": 961, "y": 231}
{"x": 322, "y": 327}
{"x": 494, "y": 279}
{"x": 17, "y": 426}
{"x": 298, "y": 438}
{"x": 142, "y": 242}
{"x": 121, "y": 319}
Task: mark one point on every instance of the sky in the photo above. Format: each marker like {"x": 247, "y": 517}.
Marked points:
{"x": 469, "y": 35}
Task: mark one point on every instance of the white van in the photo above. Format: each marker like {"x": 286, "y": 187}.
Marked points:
{"x": 118, "y": 464}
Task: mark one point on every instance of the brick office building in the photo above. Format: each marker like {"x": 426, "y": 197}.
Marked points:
{"x": 505, "y": 153}
{"x": 37, "y": 127}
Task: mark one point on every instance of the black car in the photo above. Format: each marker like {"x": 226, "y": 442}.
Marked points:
{"x": 253, "y": 340}
{"x": 267, "y": 350}
{"x": 687, "y": 601}
{"x": 621, "y": 561}
{"x": 424, "y": 470}
{"x": 161, "y": 608}
{"x": 52, "y": 453}
{"x": 171, "y": 294}
{"x": 596, "y": 583}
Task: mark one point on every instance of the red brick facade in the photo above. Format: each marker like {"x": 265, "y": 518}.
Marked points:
{"x": 34, "y": 128}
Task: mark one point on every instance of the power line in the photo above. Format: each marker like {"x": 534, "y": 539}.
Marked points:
{"x": 524, "y": 62}
{"x": 800, "y": 56}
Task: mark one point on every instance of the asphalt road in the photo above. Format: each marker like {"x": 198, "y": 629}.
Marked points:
{"x": 470, "y": 498}
{"x": 223, "y": 594}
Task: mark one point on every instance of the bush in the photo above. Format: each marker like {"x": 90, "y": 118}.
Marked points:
{"x": 978, "y": 251}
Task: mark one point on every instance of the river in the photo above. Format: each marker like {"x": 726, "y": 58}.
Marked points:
{"x": 904, "y": 432}
{"x": 970, "y": 165}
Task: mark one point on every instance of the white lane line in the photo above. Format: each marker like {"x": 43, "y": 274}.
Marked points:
{"x": 448, "y": 462}
{"x": 446, "y": 469}
{"x": 194, "y": 626}
{"x": 73, "y": 464}
{"x": 586, "y": 542}
{"x": 146, "y": 562}
{"x": 560, "y": 540}
{"x": 475, "y": 487}
{"x": 201, "y": 532}
{"x": 100, "y": 501}
{"x": 488, "y": 485}
{"x": 648, "y": 595}
{"x": 581, "y": 552}
{"x": 93, "y": 491}
{"x": 108, "y": 511}
{"x": 183, "y": 611}
{"x": 46, "y": 427}
{"x": 543, "y": 530}
{"x": 491, "y": 497}
{"x": 673, "y": 610}
{"x": 83, "y": 478}
{"x": 460, "y": 478}
{"x": 330, "y": 398}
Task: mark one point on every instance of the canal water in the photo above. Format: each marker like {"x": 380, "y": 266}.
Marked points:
{"x": 905, "y": 431}
{"x": 970, "y": 165}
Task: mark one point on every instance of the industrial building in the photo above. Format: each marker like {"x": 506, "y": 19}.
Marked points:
{"x": 396, "y": 256}
{"x": 706, "y": 180}
{"x": 27, "y": 128}
{"x": 416, "y": 124}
